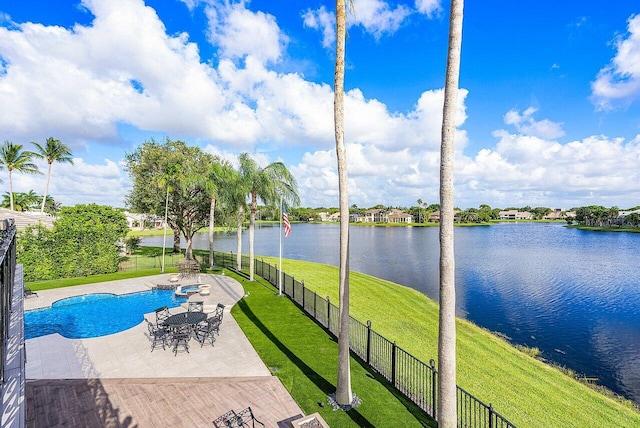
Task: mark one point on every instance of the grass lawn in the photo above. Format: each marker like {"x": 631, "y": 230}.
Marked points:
{"x": 526, "y": 391}
{"x": 305, "y": 359}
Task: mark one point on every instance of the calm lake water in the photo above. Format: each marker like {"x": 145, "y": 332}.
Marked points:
{"x": 573, "y": 294}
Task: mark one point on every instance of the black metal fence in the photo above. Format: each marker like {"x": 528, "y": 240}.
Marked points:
{"x": 7, "y": 271}
{"x": 415, "y": 379}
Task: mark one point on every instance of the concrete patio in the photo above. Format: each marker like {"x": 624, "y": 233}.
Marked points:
{"x": 118, "y": 381}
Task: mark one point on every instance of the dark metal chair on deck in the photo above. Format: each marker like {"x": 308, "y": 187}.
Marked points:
{"x": 180, "y": 335}
{"x": 196, "y": 306}
{"x": 161, "y": 315}
{"x": 157, "y": 334}
{"x": 29, "y": 293}
{"x": 207, "y": 330}
{"x": 231, "y": 419}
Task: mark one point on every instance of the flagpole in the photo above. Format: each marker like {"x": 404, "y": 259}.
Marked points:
{"x": 280, "y": 234}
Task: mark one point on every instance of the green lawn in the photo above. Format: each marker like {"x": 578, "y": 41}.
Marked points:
{"x": 305, "y": 359}
{"x": 526, "y": 391}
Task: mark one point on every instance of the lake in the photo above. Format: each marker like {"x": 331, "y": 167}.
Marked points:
{"x": 573, "y": 294}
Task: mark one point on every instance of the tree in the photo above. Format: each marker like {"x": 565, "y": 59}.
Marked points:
{"x": 267, "y": 184}
{"x": 53, "y": 151}
{"x": 170, "y": 175}
{"x": 13, "y": 157}
{"x": 447, "y": 416}
{"x": 21, "y": 201}
{"x": 220, "y": 174}
{"x": 84, "y": 241}
{"x": 188, "y": 202}
{"x": 343, "y": 388}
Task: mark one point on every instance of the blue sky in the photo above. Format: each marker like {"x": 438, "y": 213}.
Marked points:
{"x": 548, "y": 112}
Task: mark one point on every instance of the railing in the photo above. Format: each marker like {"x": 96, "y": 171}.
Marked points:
{"x": 7, "y": 271}
{"x": 415, "y": 379}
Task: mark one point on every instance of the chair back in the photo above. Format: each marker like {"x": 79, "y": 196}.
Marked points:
{"x": 197, "y": 306}
{"x": 219, "y": 311}
{"x": 162, "y": 314}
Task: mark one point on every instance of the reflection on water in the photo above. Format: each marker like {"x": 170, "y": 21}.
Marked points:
{"x": 573, "y": 294}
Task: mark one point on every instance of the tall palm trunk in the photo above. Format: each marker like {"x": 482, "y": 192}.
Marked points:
{"x": 239, "y": 238}
{"x": 447, "y": 417}
{"x": 10, "y": 191}
{"x": 46, "y": 188}
{"x": 252, "y": 221}
{"x": 212, "y": 218}
{"x": 343, "y": 390}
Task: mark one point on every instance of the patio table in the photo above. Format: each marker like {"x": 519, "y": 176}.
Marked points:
{"x": 190, "y": 318}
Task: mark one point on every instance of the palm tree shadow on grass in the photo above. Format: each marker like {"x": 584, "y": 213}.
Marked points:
{"x": 324, "y": 385}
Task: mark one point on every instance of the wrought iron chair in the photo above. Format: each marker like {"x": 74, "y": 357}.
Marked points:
{"x": 180, "y": 335}
{"x": 157, "y": 334}
{"x": 231, "y": 419}
{"x": 161, "y": 315}
{"x": 196, "y": 306}
{"x": 219, "y": 312}
{"x": 29, "y": 293}
{"x": 207, "y": 330}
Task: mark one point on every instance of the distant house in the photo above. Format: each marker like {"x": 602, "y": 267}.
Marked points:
{"x": 335, "y": 216}
{"x": 137, "y": 221}
{"x": 434, "y": 217}
{"x": 515, "y": 215}
{"x": 559, "y": 214}
{"x": 375, "y": 215}
{"x": 397, "y": 216}
{"x": 622, "y": 217}
{"x": 324, "y": 216}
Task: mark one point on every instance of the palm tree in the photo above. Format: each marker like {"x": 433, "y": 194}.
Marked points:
{"x": 268, "y": 184}
{"x": 219, "y": 175}
{"x": 166, "y": 180}
{"x": 343, "y": 388}
{"x": 53, "y": 151}
{"x": 13, "y": 157}
{"x": 447, "y": 416}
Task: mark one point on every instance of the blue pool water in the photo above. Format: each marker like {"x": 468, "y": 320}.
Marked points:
{"x": 94, "y": 315}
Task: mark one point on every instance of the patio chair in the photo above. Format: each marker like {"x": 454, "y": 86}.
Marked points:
{"x": 219, "y": 312}
{"x": 197, "y": 306}
{"x": 231, "y": 419}
{"x": 207, "y": 330}
{"x": 29, "y": 293}
{"x": 157, "y": 334}
{"x": 161, "y": 315}
{"x": 180, "y": 336}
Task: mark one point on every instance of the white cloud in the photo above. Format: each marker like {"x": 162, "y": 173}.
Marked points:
{"x": 525, "y": 124}
{"x": 323, "y": 20}
{"x": 239, "y": 32}
{"x": 376, "y": 17}
{"x": 619, "y": 81}
{"x": 81, "y": 182}
{"x": 428, "y": 7}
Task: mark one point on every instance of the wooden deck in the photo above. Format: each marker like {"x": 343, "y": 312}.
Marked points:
{"x": 155, "y": 402}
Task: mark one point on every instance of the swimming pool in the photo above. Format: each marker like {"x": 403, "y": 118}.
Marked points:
{"x": 95, "y": 315}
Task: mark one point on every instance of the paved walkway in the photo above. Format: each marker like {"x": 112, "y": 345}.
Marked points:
{"x": 127, "y": 355}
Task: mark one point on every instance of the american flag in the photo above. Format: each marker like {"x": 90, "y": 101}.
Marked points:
{"x": 285, "y": 220}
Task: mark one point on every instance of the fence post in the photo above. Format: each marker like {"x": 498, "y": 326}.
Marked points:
{"x": 303, "y": 294}
{"x": 315, "y": 302}
{"x": 328, "y": 314}
{"x": 368, "y": 341}
{"x": 393, "y": 364}
{"x": 434, "y": 387}
{"x": 491, "y": 415}
{"x": 293, "y": 286}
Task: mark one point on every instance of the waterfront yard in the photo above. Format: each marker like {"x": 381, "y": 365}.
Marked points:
{"x": 524, "y": 390}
